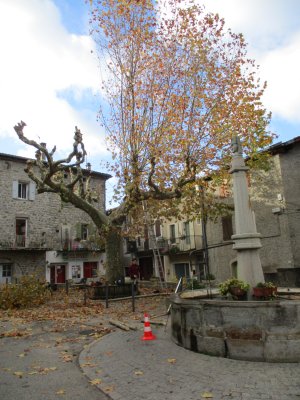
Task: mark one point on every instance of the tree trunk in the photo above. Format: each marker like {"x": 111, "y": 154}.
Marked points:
{"x": 114, "y": 255}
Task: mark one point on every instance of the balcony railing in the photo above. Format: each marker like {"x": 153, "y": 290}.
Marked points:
{"x": 21, "y": 241}
{"x": 173, "y": 245}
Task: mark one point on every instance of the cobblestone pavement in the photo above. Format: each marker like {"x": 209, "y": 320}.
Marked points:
{"x": 125, "y": 367}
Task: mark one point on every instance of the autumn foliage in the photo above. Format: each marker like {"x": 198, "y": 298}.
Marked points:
{"x": 177, "y": 86}
{"x": 29, "y": 292}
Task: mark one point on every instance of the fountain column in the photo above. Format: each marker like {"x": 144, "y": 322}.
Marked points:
{"x": 246, "y": 239}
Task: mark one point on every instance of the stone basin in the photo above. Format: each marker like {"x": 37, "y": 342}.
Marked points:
{"x": 243, "y": 330}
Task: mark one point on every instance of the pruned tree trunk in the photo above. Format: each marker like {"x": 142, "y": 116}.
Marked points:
{"x": 114, "y": 254}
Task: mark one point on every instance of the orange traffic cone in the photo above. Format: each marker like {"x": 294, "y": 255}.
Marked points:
{"x": 148, "y": 335}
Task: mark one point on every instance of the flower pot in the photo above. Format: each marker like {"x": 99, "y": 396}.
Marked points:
{"x": 264, "y": 292}
{"x": 237, "y": 293}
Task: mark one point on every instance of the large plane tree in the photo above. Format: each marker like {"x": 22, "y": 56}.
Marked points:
{"x": 176, "y": 88}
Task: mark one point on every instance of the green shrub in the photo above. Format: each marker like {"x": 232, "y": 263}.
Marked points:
{"x": 30, "y": 291}
{"x": 224, "y": 287}
{"x": 266, "y": 285}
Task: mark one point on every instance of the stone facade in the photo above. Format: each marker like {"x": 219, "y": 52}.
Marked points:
{"x": 242, "y": 330}
{"x": 274, "y": 196}
{"x": 33, "y": 224}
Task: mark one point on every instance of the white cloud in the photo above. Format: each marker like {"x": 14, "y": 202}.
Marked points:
{"x": 40, "y": 60}
{"x": 272, "y": 29}
{"x": 281, "y": 70}
{"x": 46, "y": 72}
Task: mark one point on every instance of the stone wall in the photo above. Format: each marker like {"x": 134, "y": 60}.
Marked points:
{"x": 25, "y": 263}
{"x": 243, "y": 330}
{"x": 45, "y": 214}
{"x": 274, "y": 196}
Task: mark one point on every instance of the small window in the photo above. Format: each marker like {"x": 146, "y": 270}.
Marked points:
{"x": 84, "y": 232}
{"x": 187, "y": 232}
{"x": 23, "y": 190}
{"x": 227, "y": 227}
{"x": 76, "y": 271}
{"x": 21, "y": 232}
{"x": 6, "y": 271}
{"x": 172, "y": 234}
{"x": 157, "y": 228}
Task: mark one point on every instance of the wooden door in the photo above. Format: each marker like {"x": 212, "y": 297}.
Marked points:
{"x": 60, "y": 274}
{"x": 88, "y": 268}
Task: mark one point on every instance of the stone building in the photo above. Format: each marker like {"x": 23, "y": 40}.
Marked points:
{"x": 40, "y": 234}
{"x": 275, "y": 199}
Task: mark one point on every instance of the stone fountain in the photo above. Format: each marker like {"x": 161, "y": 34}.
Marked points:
{"x": 246, "y": 240}
{"x": 245, "y": 330}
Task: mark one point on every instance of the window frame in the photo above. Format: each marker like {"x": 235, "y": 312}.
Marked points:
{"x": 23, "y": 187}
{"x": 5, "y": 271}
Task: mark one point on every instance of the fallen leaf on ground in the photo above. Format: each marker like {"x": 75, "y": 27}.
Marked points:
{"x": 88, "y": 364}
{"x": 96, "y": 381}
{"x": 109, "y": 389}
{"x": 172, "y": 360}
{"x": 207, "y": 395}
{"x": 138, "y": 372}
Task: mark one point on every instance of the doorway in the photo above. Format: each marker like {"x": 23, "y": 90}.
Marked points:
{"x": 57, "y": 274}
{"x": 182, "y": 270}
{"x": 146, "y": 268}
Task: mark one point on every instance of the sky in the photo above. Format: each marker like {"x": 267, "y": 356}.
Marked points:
{"x": 49, "y": 75}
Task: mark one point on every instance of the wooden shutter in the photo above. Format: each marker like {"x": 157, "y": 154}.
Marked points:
{"x": 15, "y": 189}
{"x": 31, "y": 191}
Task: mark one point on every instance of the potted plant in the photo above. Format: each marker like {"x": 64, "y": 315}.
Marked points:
{"x": 265, "y": 290}
{"x": 236, "y": 287}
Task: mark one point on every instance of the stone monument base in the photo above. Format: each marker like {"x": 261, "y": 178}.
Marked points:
{"x": 242, "y": 330}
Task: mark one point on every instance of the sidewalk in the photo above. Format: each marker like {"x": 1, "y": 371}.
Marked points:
{"x": 127, "y": 368}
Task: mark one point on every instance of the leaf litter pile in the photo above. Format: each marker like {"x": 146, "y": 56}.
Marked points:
{"x": 66, "y": 310}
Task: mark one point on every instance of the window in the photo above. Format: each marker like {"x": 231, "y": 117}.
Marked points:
{"x": 186, "y": 227}
{"x": 23, "y": 190}
{"x": 227, "y": 227}
{"x": 157, "y": 228}
{"x": 84, "y": 232}
{"x": 182, "y": 270}
{"x": 76, "y": 271}
{"x": 172, "y": 234}
{"x": 6, "y": 271}
{"x": 21, "y": 232}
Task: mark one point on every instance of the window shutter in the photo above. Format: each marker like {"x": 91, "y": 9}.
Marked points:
{"x": 31, "y": 190}
{"x": 15, "y": 190}
{"x": 92, "y": 231}
{"x": 78, "y": 231}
